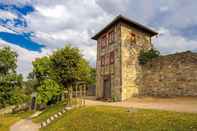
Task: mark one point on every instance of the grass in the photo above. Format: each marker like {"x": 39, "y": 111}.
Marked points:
{"x": 48, "y": 112}
{"x": 102, "y": 118}
{"x": 8, "y": 119}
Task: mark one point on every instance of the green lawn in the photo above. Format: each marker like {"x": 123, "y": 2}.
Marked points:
{"x": 48, "y": 112}
{"x": 102, "y": 118}
{"x": 7, "y": 120}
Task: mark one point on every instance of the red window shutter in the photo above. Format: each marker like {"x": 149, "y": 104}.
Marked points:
{"x": 102, "y": 44}
{"x": 104, "y": 41}
{"x": 107, "y": 58}
{"x": 102, "y": 60}
{"x": 133, "y": 37}
{"x": 112, "y": 57}
{"x": 111, "y": 36}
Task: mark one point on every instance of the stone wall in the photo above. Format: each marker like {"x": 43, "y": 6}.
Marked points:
{"x": 7, "y": 110}
{"x": 112, "y": 70}
{"x": 130, "y": 50}
{"x": 171, "y": 75}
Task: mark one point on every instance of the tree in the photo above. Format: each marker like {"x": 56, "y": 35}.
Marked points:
{"x": 7, "y": 61}
{"x": 10, "y": 82}
{"x": 146, "y": 56}
{"x": 32, "y": 82}
{"x": 69, "y": 66}
{"x": 84, "y": 71}
{"x": 19, "y": 96}
{"x": 92, "y": 76}
{"x": 41, "y": 68}
{"x": 30, "y": 86}
{"x": 62, "y": 69}
{"x": 47, "y": 90}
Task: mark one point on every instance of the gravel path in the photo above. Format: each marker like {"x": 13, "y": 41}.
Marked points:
{"x": 25, "y": 125}
{"x": 171, "y": 104}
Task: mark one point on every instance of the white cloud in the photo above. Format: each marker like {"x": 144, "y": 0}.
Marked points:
{"x": 56, "y": 24}
{"x": 84, "y": 15}
{"x": 164, "y": 8}
{"x": 17, "y": 2}
{"x": 4, "y": 29}
{"x": 59, "y": 22}
{"x": 114, "y": 6}
{"x": 7, "y": 15}
{"x": 10, "y": 17}
{"x": 169, "y": 43}
{"x": 182, "y": 14}
{"x": 65, "y": 22}
{"x": 25, "y": 57}
{"x": 54, "y": 12}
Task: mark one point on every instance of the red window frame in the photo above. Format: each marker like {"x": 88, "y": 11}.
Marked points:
{"x": 112, "y": 57}
{"x": 111, "y": 37}
{"x": 104, "y": 41}
{"x": 107, "y": 59}
{"x": 133, "y": 36}
{"x": 102, "y": 60}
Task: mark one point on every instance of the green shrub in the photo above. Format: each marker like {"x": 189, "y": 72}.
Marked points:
{"x": 47, "y": 91}
{"x": 146, "y": 56}
{"x": 114, "y": 98}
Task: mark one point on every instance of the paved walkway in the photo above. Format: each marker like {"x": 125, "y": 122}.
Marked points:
{"x": 25, "y": 125}
{"x": 184, "y": 104}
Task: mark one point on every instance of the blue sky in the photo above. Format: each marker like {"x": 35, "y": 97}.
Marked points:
{"x": 34, "y": 28}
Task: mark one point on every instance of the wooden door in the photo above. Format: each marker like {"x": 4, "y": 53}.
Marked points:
{"x": 107, "y": 88}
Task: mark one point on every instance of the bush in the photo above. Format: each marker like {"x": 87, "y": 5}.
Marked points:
{"x": 114, "y": 98}
{"x": 146, "y": 56}
{"x": 47, "y": 91}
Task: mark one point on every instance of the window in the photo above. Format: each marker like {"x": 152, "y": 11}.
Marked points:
{"x": 104, "y": 41}
{"x": 133, "y": 37}
{"x": 102, "y": 60}
{"x": 107, "y": 59}
{"x": 112, "y": 57}
{"x": 111, "y": 38}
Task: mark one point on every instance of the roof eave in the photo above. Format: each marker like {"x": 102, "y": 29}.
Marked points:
{"x": 119, "y": 18}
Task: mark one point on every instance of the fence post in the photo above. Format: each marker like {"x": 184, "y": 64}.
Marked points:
{"x": 81, "y": 93}
{"x": 84, "y": 93}
{"x": 76, "y": 95}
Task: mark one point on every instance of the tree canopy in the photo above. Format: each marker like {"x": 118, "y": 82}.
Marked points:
{"x": 41, "y": 68}
{"x": 64, "y": 67}
{"x": 7, "y": 60}
{"x": 47, "y": 90}
{"x": 10, "y": 82}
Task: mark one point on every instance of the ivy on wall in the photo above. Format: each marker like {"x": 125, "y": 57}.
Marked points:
{"x": 146, "y": 56}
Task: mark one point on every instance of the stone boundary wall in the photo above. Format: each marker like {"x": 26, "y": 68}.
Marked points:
{"x": 14, "y": 108}
{"x": 7, "y": 110}
{"x": 170, "y": 75}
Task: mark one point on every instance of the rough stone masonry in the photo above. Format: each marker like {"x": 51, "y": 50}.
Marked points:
{"x": 119, "y": 75}
{"x": 169, "y": 76}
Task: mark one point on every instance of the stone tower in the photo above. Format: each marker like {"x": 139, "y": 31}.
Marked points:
{"x": 118, "y": 48}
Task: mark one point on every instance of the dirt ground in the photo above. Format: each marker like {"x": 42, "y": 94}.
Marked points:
{"x": 179, "y": 104}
